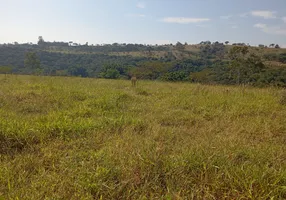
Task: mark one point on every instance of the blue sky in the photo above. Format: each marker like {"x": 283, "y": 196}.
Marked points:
{"x": 147, "y": 21}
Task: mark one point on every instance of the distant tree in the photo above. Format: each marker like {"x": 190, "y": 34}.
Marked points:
{"x": 261, "y": 45}
{"x": 226, "y": 42}
{"x": 244, "y": 66}
{"x": 5, "y": 70}
{"x": 175, "y": 76}
{"x": 40, "y": 40}
{"x": 77, "y": 70}
{"x": 32, "y": 63}
{"x": 112, "y": 74}
{"x": 179, "y": 46}
{"x": 205, "y": 42}
{"x": 277, "y": 46}
{"x": 61, "y": 72}
{"x": 272, "y": 45}
{"x": 237, "y": 55}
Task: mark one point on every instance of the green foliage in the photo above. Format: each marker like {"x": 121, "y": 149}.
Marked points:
{"x": 111, "y": 74}
{"x": 78, "y": 71}
{"x": 204, "y": 76}
{"x": 150, "y": 70}
{"x": 114, "y": 71}
{"x": 5, "y": 69}
{"x": 225, "y": 65}
{"x": 210, "y": 51}
{"x": 244, "y": 66}
{"x": 176, "y": 76}
{"x": 282, "y": 57}
{"x": 32, "y": 62}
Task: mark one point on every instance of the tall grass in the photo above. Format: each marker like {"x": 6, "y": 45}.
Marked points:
{"x": 74, "y": 138}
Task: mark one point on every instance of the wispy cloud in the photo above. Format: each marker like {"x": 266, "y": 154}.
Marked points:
{"x": 135, "y": 15}
{"x": 234, "y": 26}
{"x": 284, "y": 19}
{"x": 141, "y": 5}
{"x": 260, "y": 25}
{"x": 274, "y": 30}
{"x": 266, "y": 14}
{"x": 184, "y": 20}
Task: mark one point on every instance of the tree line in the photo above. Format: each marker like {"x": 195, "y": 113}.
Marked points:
{"x": 213, "y": 63}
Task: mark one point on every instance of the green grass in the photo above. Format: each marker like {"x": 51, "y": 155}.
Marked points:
{"x": 74, "y": 138}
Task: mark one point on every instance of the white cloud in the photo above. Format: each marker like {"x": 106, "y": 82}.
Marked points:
{"x": 234, "y": 26}
{"x": 264, "y": 13}
{"x": 260, "y": 25}
{"x": 274, "y": 30}
{"x": 184, "y": 20}
{"x": 284, "y": 19}
{"x": 141, "y": 5}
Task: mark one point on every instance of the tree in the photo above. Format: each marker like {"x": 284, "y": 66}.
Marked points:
{"x": 40, "y": 40}
{"x": 175, "y": 76}
{"x": 32, "y": 62}
{"x": 180, "y": 46}
{"x": 77, "y": 70}
{"x": 244, "y": 66}
{"x": 5, "y": 70}
{"x": 237, "y": 55}
{"x": 205, "y": 42}
{"x": 112, "y": 74}
{"x": 226, "y": 42}
{"x": 272, "y": 45}
{"x": 277, "y": 46}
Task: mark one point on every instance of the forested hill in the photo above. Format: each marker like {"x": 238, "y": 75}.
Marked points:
{"x": 212, "y": 63}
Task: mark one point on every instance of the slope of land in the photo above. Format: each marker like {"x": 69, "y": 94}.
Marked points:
{"x": 211, "y": 63}
{"x": 75, "y": 138}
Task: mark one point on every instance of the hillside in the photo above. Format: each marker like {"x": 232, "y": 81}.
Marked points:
{"x": 76, "y": 138}
{"x": 211, "y": 63}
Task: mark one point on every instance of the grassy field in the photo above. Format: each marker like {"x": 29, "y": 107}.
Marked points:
{"x": 74, "y": 138}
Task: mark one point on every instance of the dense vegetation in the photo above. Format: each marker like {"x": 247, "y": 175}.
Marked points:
{"x": 205, "y": 63}
{"x": 76, "y": 138}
